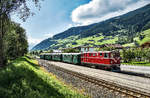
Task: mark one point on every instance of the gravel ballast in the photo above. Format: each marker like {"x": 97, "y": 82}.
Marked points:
{"x": 87, "y": 88}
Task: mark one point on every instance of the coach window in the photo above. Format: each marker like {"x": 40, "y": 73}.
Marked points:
{"x": 106, "y": 55}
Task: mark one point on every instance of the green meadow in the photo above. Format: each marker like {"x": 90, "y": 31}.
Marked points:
{"x": 24, "y": 78}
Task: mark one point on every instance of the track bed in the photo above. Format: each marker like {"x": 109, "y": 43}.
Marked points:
{"x": 133, "y": 82}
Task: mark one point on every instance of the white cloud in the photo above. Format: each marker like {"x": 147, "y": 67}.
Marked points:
{"x": 99, "y": 10}
{"x": 69, "y": 26}
{"x": 48, "y": 35}
{"x": 33, "y": 41}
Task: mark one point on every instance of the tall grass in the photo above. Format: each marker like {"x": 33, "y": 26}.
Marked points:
{"x": 23, "y": 78}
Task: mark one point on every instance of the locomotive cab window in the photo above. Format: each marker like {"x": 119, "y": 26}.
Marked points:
{"x": 90, "y": 54}
{"x": 94, "y": 54}
{"x": 100, "y": 54}
{"x": 82, "y": 55}
{"x": 106, "y": 55}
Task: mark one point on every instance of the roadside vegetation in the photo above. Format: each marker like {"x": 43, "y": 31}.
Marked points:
{"x": 137, "y": 63}
{"x": 136, "y": 56}
{"x": 23, "y": 78}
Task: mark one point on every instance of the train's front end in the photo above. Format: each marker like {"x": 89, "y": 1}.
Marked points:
{"x": 115, "y": 60}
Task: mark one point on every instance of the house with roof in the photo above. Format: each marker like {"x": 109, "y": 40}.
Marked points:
{"x": 85, "y": 48}
{"x": 145, "y": 45}
{"x": 114, "y": 46}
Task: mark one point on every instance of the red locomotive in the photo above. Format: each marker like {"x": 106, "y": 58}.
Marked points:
{"x": 109, "y": 60}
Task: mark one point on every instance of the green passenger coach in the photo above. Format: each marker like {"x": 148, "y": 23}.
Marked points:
{"x": 48, "y": 56}
{"x": 57, "y": 56}
{"x": 42, "y": 56}
{"x": 71, "y": 58}
{"x": 76, "y": 58}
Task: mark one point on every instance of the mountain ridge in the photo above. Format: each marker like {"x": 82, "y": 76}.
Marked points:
{"x": 126, "y": 28}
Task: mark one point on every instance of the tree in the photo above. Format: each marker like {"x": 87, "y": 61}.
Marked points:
{"x": 128, "y": 55}
{"x": 138, "y": 54}
{"x": 6, "y": 8}
{"x": 141, "y": 36}
{"x": 147, "y": 54}
{"x": 136, "y": 43}
{"x": 15, "y": 42}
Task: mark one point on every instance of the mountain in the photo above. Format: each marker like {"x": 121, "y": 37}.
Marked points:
{"x": 70, "y": 32}
{"x": 126, "y": 29}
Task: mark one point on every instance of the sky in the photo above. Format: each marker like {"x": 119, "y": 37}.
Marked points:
{"x": 56, "y": 16}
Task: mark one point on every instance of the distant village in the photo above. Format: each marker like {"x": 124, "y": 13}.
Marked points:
{"x": 83, "y": 48}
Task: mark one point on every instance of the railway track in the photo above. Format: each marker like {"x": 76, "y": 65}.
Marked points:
{"x": 114, "y": 87}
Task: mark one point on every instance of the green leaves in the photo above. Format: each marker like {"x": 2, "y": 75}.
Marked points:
{"x": 137, "y": 54}
{"x": 15, "y": 42}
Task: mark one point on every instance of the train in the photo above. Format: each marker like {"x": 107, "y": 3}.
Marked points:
{"x": 107, "y": 60}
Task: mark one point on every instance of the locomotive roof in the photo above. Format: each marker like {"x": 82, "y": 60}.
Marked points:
{"x": 99, "y": 52}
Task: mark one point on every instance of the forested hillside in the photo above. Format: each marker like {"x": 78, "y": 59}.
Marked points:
{"x": 127, "y": 30}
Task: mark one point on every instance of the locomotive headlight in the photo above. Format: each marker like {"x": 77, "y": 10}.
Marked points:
{"x": 111, "y": 62}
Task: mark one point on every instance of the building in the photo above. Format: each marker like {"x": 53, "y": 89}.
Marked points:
{"x": 145, "y": 45}
{"x": 57, "y": 51}
{"x": 85, "y": 48}
{"x": 81, "y": 49}
{"x": 114, "y": 46}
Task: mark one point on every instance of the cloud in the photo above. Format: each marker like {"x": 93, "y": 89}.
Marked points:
{"x": 48, "y": 35}
{"x": 70, "y": 26}
{"x": 99, "y": 10}
{"x": 33, "y": 41}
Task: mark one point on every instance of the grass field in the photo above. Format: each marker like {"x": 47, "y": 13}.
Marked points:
{"x": 23, "y": 78}
{"x": 147, "y": 36}
{"x": 138, "y": 63}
